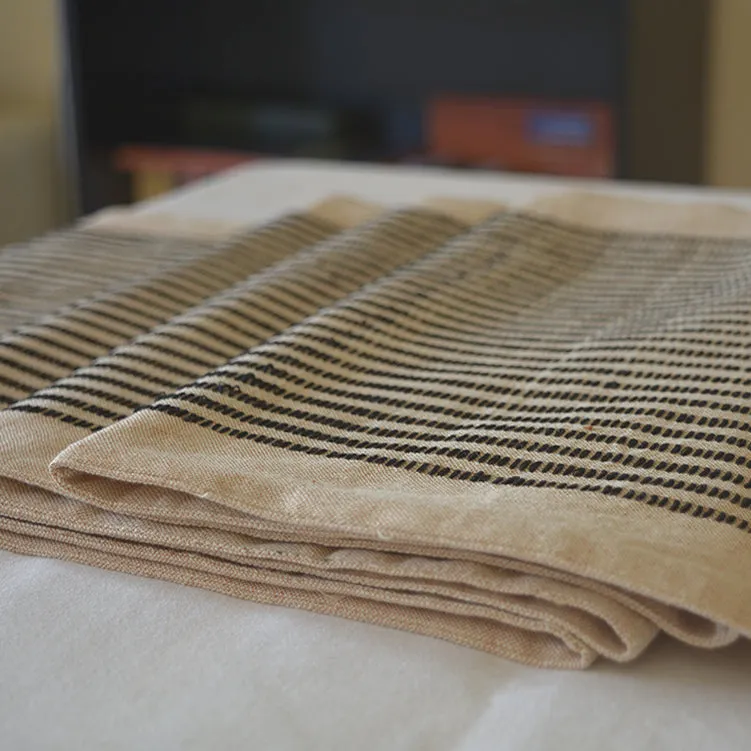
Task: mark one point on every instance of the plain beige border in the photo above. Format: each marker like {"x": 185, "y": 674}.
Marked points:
{"x": 642, "y": 215}
{"x": 666, "y": 556}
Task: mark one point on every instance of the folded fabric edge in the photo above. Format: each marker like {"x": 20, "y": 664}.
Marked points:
{"x": 591, "y": 534}
{"x": 342, "y": 211}
{"x": 125, "y": 220}
{"x": 143, "y": 559}
{"x": 645, "y": 216}
{"x": 347, "y": 211}
{"x": 469, "y": 211}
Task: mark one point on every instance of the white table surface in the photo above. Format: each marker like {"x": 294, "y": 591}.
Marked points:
{"x": 91, "y": 659}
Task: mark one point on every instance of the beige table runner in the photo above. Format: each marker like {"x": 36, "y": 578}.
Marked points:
{"x": 528, "y": 435}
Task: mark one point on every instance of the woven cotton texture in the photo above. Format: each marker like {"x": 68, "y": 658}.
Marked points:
{"x": 525, "y": 432}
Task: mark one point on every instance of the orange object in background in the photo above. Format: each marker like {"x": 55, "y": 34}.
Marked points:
{"x": 525, "y": 135}
{"x": 158, "y": 169}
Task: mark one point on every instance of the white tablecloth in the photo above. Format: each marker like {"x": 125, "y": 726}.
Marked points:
{"x": 91, "y": 659}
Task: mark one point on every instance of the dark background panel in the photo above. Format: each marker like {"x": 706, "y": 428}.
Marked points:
{"x": 138, "y": 64}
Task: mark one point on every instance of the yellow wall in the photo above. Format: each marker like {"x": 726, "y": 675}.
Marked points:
{"x": 30, "y": 72}
{"x": 28, "y": 54}
{"x": 729, "y": 106}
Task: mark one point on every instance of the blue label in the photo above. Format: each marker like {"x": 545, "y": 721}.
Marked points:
{"x": 557, "y": 128}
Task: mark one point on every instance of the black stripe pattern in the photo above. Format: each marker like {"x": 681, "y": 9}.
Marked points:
{"x": 525, "y": 353}
{"x": 102, "y": 291}
{"x": 92, "y": 381}
{"x": 63, "y": 267}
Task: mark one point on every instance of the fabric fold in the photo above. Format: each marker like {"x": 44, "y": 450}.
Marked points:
{"x": 523, "y": 431}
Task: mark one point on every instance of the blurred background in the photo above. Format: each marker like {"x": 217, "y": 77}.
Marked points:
{"x": 111, "y": 101}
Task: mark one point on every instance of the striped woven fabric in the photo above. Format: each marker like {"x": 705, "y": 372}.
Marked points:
{"x": 522, "y": 431}
{"x": 63, "y": 267}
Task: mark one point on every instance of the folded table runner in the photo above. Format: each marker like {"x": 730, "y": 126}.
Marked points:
{"x": 528, "y": 435}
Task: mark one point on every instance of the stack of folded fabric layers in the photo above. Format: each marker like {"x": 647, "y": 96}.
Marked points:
{"x": 523, "y": 431}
